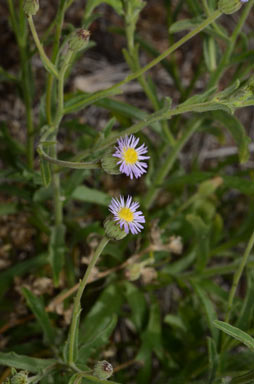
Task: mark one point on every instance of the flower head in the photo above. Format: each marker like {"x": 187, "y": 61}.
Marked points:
{"x": 131, "y": 157}
{"x": 126, "y": 214}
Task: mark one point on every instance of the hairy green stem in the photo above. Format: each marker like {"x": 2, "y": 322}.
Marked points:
{"x": 44, "y": 58}
{"x": 68, "y": 164}
{"x": 237, "y": 276}
{"x": 77, "y": 305}
{"x": 214, "y": 25}
{"x": 58, "y": 200}
{"x": 60, "y": 93}
{"x": 164, "y": 113}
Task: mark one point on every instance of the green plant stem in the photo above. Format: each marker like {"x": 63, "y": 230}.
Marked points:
{"x": 21, "y": 37}
{"x": 237, "y": 276}
{"x": 60, "y": 104}
{"x": 49, "y": 66}
{"x": 215, "y": 26}
{"x": 164, "y": 113}
{"x": 168, "y": 163}
{"x": 227, "y": 54}
{"x": 101, "y": 94}
{"x": 68, "y": 164}
{"x": 50, "y": 80}
{"x": 175, "y": 46}
{"x": 28, "y": 104}
{"x": 59, "y": 114}
{"x": 77, "y": 301}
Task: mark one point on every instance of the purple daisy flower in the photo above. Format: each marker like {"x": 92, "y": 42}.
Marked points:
{"x": 131, "y": 158}
{"x": 126, "y": 214}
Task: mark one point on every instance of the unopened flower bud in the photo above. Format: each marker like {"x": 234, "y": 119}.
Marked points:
{"x": 113, "y": 230}
{"x": 133, "y": 271}
{"x": 79, "y": 39}
{"x": 20, "y": 378}
{"x": 229, "y": 6}
{"x": 109, "y": 163}
{"x": 103, "y": 370}
{"x": 31, "y": 7}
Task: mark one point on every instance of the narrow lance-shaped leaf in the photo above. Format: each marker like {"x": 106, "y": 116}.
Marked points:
{"x": 237, "y": 131}
{"x": 209, "y": 310}
{"x": 236, "y": 333}
{"x": 31, "y": 364}
{"x": 56, "y": 250}
{"x": 36, "y": 305}
{"x": 45, "y": 172}
{"x": 213, "y": 359}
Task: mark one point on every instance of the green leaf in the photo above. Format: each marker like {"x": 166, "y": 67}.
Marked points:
{"x": 115, "y": 106}
{"x": 8, "y": 209}
{"x": 236, "y": 333}
{"x": 36, "y": 305}
{"x": 31, "y": 364}
{"x": 212, "y": 106}
{"x": 6, "y": 76}
{"x": 237, "y": 131}
{"x": 75, "y": 379}
{"x": 209, "y": 310}
{"x": 201, "y": 230}
{"x": 213, "y": 359}
{"x": 97, "y": 340}
{"x": 42, "y": 194}
{"x": 99, "y": 320}
{"x": 90, "y": 195}
{"x": 45, "y": 172}
{"x": 151, "y": 341}
{"x": 247, "y": 378}
{"x": 81, "y": 99}
{"x": 210, "y": 49}
{"x": 92, "y": 4}
{"x": 94, "y": 379}
{"x": 201, "y": 97}
{"x": 57, "y": 250}
{"x": 137, "y": 303}
{"x": 19, "y": 269}
{"x": 247, "y": 307}
{"x": 186, "y": 24}
{"x": 175, "y": 322}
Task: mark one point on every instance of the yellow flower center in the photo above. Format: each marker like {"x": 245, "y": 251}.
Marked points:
{"x": 126, "y": 214}
{"x": 130, "y": 156}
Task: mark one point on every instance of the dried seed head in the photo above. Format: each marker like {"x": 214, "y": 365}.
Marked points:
{"x": 103, "y": 370}
{"x": 79, "y": 39}
{"x": 176, "y": 245}
{"x": 229, "y": 6}
{"x": 31, "y": 7}
{"x": 148, "y": 275}
{"x": 113, "y": 230}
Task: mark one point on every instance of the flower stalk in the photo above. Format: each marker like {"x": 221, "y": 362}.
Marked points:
{"x": 73, "y": 333}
